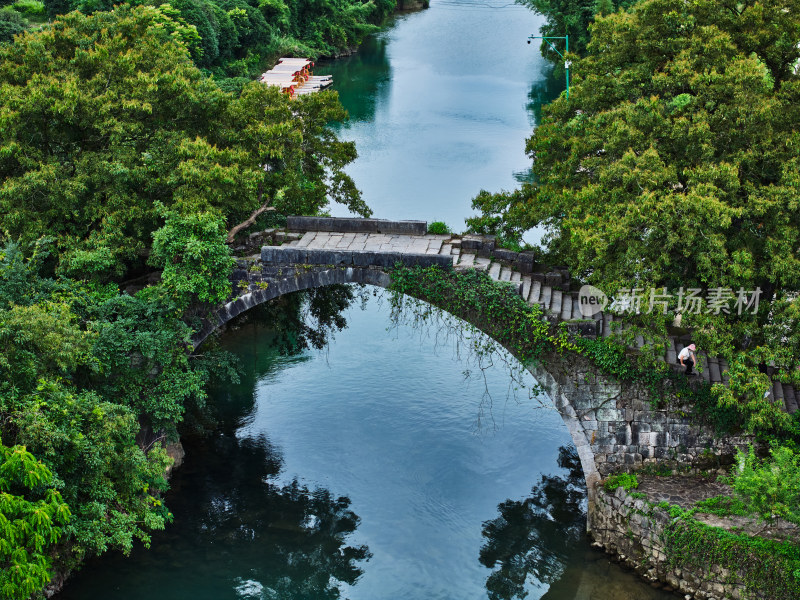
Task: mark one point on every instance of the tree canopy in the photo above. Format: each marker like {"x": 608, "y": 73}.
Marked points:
{"x": 106, "y": 121}
{"x": 572, "y": 18}
{"x": 234, "y": 39}
{"x": 674, "y": 163}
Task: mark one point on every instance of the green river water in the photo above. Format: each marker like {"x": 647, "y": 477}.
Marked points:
{"x": 375, "y": 470}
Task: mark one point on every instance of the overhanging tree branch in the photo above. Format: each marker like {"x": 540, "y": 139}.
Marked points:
{"x": 265, "y": 207}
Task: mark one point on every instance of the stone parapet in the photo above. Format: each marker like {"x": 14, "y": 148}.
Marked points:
{"x": 356, "y": 225}
{"x": 293, "y": 255}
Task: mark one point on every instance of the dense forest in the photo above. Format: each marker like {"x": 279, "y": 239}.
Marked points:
{"x": 123, "y": 163}
{"x": 233, "y": 39}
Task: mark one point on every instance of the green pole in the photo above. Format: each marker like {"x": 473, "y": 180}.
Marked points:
{"x": 567, "y": 64}
{"x": 547, "y": 39}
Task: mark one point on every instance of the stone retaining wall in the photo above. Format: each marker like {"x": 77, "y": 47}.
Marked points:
{"x": 632, "y": 529}
{"x": 615, "y": 428}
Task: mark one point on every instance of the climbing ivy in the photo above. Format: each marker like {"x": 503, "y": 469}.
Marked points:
{"x": 496, "y": 309}
{"x": 769, "y": 569}
{"x": 472, "y": 296}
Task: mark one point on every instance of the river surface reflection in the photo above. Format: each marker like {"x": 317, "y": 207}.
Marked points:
{"x": 358, "y": 472}
{"x": 441, "y": 104}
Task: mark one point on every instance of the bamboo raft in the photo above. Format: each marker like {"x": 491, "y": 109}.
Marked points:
{"x": 294, "y": 77}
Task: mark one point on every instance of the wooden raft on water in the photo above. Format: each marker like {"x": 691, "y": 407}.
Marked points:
{"x": 294, "y": 77}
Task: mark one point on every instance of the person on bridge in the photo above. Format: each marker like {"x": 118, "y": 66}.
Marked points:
{"x": 685, "y": 355}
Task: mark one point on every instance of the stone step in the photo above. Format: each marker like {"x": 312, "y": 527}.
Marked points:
{"x": 790, "y": 398}
{"x": 576, "y": 308}
{"x": 608, "y": 318}
{"x": 545, "y": 297}
{"x": 566, "y": 307}
{"x": 482, "y": 264}
{"x": 466, "y": 260}
{"x": 505, "y": 274}
{"x": 494, "y": 271}
{"x": 777, "y": 394}
{"x": 446, "y": 249}
{"x": 702, "y": 359}
{"x": 536, "y": 292}
{"x": 671, "y": 355}
{"x": 555, "y": 304}
{"x": 638, "y": 341}
{"x": 307, "y": 238}
{"x": 516, "y": 277}
{"x": 713, "y": 370}
{"x": 723, "y": 368}
{"x": 526, "y": 287}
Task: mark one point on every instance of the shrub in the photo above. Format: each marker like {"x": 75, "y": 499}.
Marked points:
{"x": 625, "y": 480}
{"x": 439, "y": 228}
{"x": 29, "y": 7}
{"x": 770, "y": 488}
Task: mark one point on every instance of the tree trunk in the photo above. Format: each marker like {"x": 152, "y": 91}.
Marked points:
{"x": 250, "y": 220}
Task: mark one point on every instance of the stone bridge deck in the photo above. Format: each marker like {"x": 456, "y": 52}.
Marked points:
{"x": 370, "y": 242}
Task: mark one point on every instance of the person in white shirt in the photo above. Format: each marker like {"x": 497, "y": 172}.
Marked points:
{"x": 685, "y": 355}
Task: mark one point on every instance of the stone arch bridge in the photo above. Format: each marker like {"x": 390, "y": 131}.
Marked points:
{"x": 612, "y": 425}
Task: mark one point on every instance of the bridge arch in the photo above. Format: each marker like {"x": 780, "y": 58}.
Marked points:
{"x": 296, "y": 280}
{"x": 612, "y": 424}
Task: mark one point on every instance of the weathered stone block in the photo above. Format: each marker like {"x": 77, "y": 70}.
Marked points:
{"x": 553, "y": 278}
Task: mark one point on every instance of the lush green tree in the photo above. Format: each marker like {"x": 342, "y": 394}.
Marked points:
{"x": 11, "y": 23}
{"x": 105, "y": 118}
{"x": 195, "y": 260}
{"x": 112, "y": 486}
{"x": 674, "y": 164}
{"x": 770, "y": 488}
{"x": 32, "y": 518}
{"x": 93, "y": 383}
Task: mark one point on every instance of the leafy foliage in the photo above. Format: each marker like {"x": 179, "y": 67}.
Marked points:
{"x": 195, "y": 259}
{"x": 673, "y": 164}
{"x": 627, "y": 481}
{"x": 235, "y": 38}
{"x": 570, "y": 17}
{"x": 438, "y": 227}
{"x": 770, "y": 488}
{"x": 84, "y": 371}
{"x": 769, "y": 568}
{"x": 474, "y": 297}
{"x": 107, "y": 123}
{"x": 32, "y": 520}
{"x": 11, "y": 24}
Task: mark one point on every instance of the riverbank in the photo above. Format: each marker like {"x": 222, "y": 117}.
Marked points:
{"x": 673, "y": 531}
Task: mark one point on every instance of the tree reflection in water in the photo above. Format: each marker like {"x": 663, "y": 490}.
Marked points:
{"x": 237, "y": 533}
{"x": 536, "y": 537}
{"x": 284, "y": 541}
